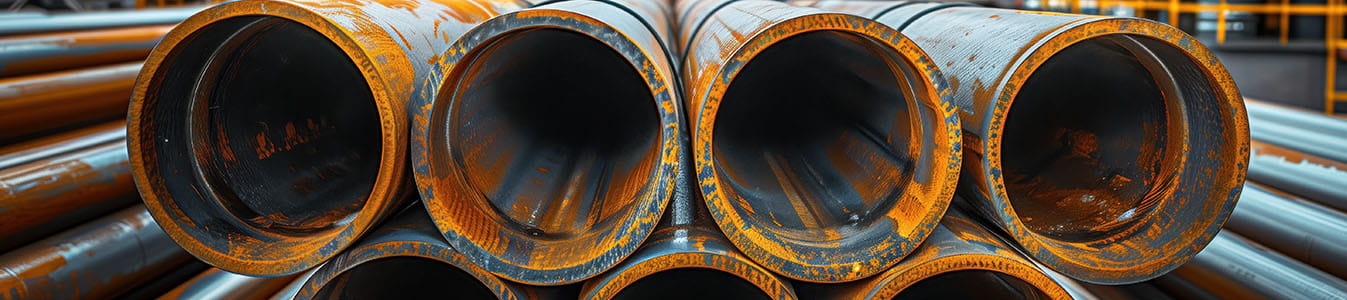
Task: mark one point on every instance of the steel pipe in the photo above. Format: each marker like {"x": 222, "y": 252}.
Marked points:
{"x": 1232, "y": 267}
{"x": 97, "y": 260}
{"x": 826, "y": 145}
{"x": 266, "y": 136}
{"x": 56, "y": 144}
{"x": 1111, "y": 174}
{"x": 47, "y": 196}
{"x": 42, "y": 102}
{"x": 48, "y": 52}
{"x": 291, "y": 290}
{"x": 1297, "y": 228}
{"x": 30, "y": 24}
{"x": 960, "y": 260}
{"x": 550, "y": 167}
{"x": 215, "y": 283}
{"x": 1317, "y": 179}
{"x": 1299, "y": 129}
{"x": 165, "y": 282}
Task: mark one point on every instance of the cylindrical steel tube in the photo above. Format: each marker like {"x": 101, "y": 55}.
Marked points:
{"x": 1308, "y": 232}
{"x": 825, "y": 144}
{"x": 405, "y": 259}
{"x": 220, "y": 284}
{"x": 1110, "y": 174}
{"x": 97, "y": 260}
{"x": 960, "y": 260}
{"x": 46, "y": 196}
{"x": 1232, "y": 267}
{"x": 165, "y": 282}
{"x": 94, "y": 20}
{"x": 64, "y": 50}
{"x": 291, "y": 290}
{"x": 56, "y": 144}
{"x": 42, "y": 102}
{"x": 1317, "y": 179}
{"x": 1301, "y": 130}
{"x": 266, "y": 136}
{"x": 550, "y": 167}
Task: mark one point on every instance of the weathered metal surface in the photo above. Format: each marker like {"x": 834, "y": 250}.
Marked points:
{"x": 47, "y": 52}
{"x": 97, "y": 260}
{"x": 165, "y": 282}
{"x": 56, "y": 144}
{"x": 1315, "y": 178}
{"x": 1111, "y": 174}
{"x": 1232, "y": 267}
{"x": 825, "y": 144}
{"x": 1308, "y": 232}
{"x": 267, "y": 136}
{"x": 550, "y": 167}
{"x": 220, "y": 284}
{"x": 405, "y": 259}
{"x": 46, "y": 196}
{"x": 1298, "y": 129}
{"x": 960, "y": 260}
{"x": 291, "y": 290}
{"x": 39, "y": 23}
{"x": 42, "y": 102}
{"x": 1181, "y": 289}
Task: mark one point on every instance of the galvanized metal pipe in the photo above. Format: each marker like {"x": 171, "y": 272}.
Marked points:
{"x": 30, "y": 24}
{"x": 215, "y": 283}
{"x": 266, "y": 136}
{"x": 56, "y": 144}
{"x": 97, "y": 260}
{"x": 42, "y": 102}
{"x": 960, "y": 260}
{"x": 1317, "y": 179}
{"x": 1232, "y": 267}
{"x": 1299, "y": 129}
{"x": 47, "y": 196}
{"x": 550, "y": 167}
{"x": 28, "y": 54}
{"x": 1145, "y": 151}
{"x": 1313, "y": 234}
{"x": 826, "y": 145}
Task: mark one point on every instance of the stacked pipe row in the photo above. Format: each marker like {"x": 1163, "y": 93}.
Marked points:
{"x": 636, "y": 148}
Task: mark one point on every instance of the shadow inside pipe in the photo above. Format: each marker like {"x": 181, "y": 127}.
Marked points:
{"x": 691, "y": 283}
{"x": 971, "y": 284}
{"x": 556, "y": 130}
{"x": 404, "y": 277}
{"x": 815, "y": 134}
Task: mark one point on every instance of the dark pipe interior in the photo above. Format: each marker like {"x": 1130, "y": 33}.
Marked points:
{"x": 280, "y": 124}
{"x": 1087, "y": 146}
{"x": 691, "y": 283}
{"x": 815, "y": 134}
{"x": 404, "y": 277}
{"x": 971, "y": 284}
{"x": 556, "y": 130}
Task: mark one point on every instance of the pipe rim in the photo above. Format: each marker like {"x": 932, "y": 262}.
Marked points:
{"x": 779, "y": 253}
{"x": 407, "y": 249}
{"x": 294, "y": 256}
{"x": 1082, "y": 260}
{"x": 895, "y": 280}
{"x": 712, "y": 254}
{"x": 438, "y": 180}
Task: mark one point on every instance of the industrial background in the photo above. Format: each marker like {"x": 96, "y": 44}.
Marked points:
{"x": 673, "y": 149}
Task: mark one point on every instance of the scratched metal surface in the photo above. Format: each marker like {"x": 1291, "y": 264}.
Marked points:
{"x": 832, "y": 195}
{"x": 314, "y": 153}
{"x": 43, "y": 197}
{"x": 47, "y": 52}
{"x": 46, "y": 101}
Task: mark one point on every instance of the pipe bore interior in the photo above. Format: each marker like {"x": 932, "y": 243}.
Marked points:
{"x": 971, "y": 284}
{"x": 816, "y": 134}
{"x": 691, "y": 283}
{"x": 404, "y": 277}
{"x": 1089, "y": 152}
{"x": 556, "y": 131}
{"x": 280, "y": 125}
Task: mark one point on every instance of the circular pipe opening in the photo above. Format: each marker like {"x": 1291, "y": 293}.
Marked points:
{"x": 279, "y": 125}
{"x": 971, "y": 284}
{"x": 1088, "y": 152}
{"x": 816, "y": 136}
{"x": 404, "y": 277}
{"x": 556, "y": 131}
{"x": 691, "y": 283}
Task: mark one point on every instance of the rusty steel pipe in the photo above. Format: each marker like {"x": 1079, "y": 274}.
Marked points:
{"x": 1298, "y": 129}
{"x": 165, "y": 282}
{"x": 405, "y": 259}
{"x": 215, "y": 283}
{"x": 825, "y": 144}
{"x": 42, "y": 102}
{"x": 48, "y": 52}
{"x": 97, "y": 260}
{"x": 1317, "y": 179}
{"x": 1232, "y": 267}
{"x": 1313, "y": 234}
{"x": 1111, "y": 174}
{"x": 47, "y": 196}
{"x": 40, "y": 23}
{"x": 56, "y": 144}
{"x": 960, "y": 260}
{"x": 266, "y": 136}
{"x": 292, "y": 289}
{"x": 550, "y": 167}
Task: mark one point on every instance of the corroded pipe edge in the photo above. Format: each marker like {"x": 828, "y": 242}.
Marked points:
{"x": 680, "y": 248}
{"x": 412, "y": 246}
